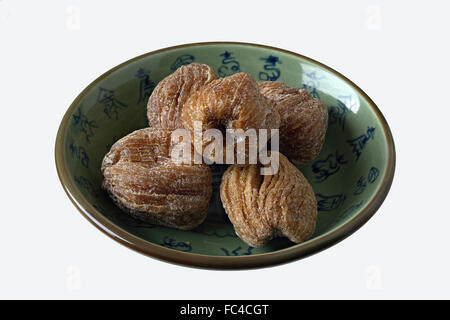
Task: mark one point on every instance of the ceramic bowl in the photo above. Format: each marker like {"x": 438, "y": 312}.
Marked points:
{"x": 351, "y": 176}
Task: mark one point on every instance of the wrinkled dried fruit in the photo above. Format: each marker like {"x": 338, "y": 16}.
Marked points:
{"x": 304, "y": 121}
{"x": 264, "y": 207}
{"x": 165, "y": 103}
{"x": 233, "y": 102}
{"x": 143, "y": 181}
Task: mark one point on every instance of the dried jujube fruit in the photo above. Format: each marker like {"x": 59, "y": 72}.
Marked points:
{"x": 165, "y": 103}
{"x": 262, "y": 207}
{"x": 304, "y": 121}
{"x": 233, "y": 102}
{"x": 143, "y": 180}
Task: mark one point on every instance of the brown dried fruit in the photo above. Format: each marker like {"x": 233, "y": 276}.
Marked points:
{"x": 262, "y": 207}
{"x": 143, "y": 181}
{"x": 233, "y": 102}
{"x": 304, "y": 121}
{"x": 165, "y": 103}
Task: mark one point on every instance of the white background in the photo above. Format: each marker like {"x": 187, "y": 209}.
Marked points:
{"x": 396, "y": 52}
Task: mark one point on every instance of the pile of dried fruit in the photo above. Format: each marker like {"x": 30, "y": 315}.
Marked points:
{"x": 144, "y": 181}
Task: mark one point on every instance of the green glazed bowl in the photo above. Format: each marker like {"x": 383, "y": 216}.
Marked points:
{"x": 351, "y": 176}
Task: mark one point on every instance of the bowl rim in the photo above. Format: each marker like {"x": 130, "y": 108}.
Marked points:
{"x": 285, "y": 255}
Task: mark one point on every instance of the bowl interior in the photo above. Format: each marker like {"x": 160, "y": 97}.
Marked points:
{"x": 345, "y": 176}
